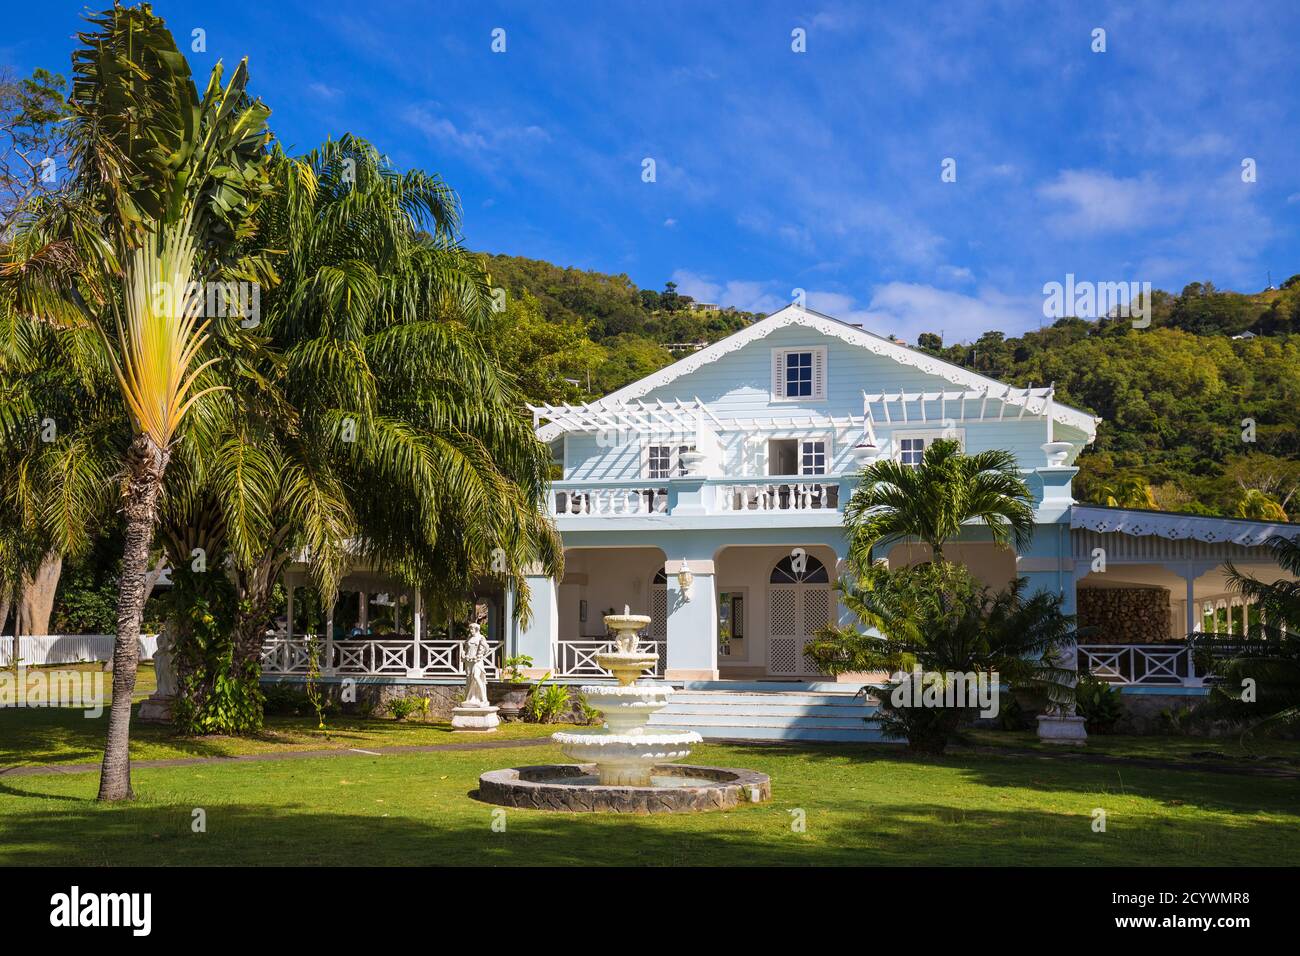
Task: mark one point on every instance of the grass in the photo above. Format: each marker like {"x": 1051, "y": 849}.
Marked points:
{"x": 858, "y": 805}
{"x": 52, "y": 735}
{"x": 1232, "y": 750}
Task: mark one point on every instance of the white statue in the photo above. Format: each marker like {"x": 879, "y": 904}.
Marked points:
{"x": 476, "y": 655}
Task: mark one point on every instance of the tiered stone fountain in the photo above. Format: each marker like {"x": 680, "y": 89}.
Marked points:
{"x": 624, "y": 751}
{"x": 624, "y": 765}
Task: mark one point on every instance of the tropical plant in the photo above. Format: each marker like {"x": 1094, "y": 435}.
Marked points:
{"x": 372, "y": 423}
{"x": 931, "y": 501}
{"x": 403, "y": 707}
{"x": 514, "y": 668}
{"x": 939, "y": 619}
{"x": 546, "y": 702}
{"x": 1257, "y": 682}
{"x": 1132, "y": 491}
{"x": 164, "y": 181}
{"x": 1260, "y": 506}
{"x": 1098, "y": 703}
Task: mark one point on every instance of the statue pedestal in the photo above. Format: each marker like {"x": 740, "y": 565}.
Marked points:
{"x": 156, "y": 709}
{"x": 474, "y": 717}
{"x": 1065, "y": 731}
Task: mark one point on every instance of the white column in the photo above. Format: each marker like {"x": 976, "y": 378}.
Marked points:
{"x": 538, "y": 639}
{"x": 417, "y": 629}
{"x": 290, "y": 584}
{"x": 508, "y": 625}
{"x": 692, "y": 624}
{"x": 328, "y": 669}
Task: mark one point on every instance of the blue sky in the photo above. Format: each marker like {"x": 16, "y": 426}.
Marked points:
{"x": 820, "y": 170}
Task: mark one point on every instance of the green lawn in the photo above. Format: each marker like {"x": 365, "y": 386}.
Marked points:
{"x": 861, "y": 805}
{"x": 40, "y": 735}
{"x": 1213, "y": 750}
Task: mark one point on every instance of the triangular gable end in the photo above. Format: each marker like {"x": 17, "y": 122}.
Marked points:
{"x": 795, "y": 315}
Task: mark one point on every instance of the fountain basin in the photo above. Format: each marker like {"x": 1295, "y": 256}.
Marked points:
{"x": 626, "y": 759}
{"x": 675, "y": 788}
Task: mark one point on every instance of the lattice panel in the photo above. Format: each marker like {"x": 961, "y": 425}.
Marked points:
{"x": 781, "y": 655}
{"x": 781, "y": 612}
{"x": 816, "y": 609}
{"x": 658, "y": 613}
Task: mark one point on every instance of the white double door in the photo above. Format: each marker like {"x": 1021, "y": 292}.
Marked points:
{"x": 795, "y": 612}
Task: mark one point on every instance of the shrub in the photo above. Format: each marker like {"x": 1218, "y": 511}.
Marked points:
{"x": 546, "y": 702}
{"x": 403, "y": 707}
{"x": 514, "y": 668}
{"x": 1098, "y": 703}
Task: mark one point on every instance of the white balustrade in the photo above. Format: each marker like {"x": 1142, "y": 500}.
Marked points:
{"x": 1168, "y": 664}
{"x": 782, "y": 496}
{"x": 729, "y": 496}
{"x": 615, "y": 499}
{"x": 578, "y": 658}
{"x": 370, "y": 657}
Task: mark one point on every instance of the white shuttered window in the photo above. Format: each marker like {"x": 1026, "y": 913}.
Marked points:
{"x": 799, "y": 374}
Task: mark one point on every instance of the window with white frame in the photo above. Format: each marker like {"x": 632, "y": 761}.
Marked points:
{"x": 812, "y": 457}
{"x": 799, "y": 373}
{"x": 664, "y": 461}
{"x": 910, "y": 446}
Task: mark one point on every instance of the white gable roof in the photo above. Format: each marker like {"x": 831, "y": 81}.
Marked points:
{"x": 793, "y": 315}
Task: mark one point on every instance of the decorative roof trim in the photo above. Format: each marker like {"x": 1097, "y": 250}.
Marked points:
{"x": 793, "y": 315}
{"x": 1168, "y": 524}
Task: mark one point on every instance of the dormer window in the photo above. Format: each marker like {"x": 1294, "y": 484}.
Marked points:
{"x": 799, "y": 374}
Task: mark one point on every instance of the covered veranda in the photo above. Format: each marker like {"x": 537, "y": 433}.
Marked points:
{"x": 378, "y": 627}
{"x": 1148, "y": 582}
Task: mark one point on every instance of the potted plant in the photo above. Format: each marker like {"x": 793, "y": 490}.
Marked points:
{"x": 510, "y": 692}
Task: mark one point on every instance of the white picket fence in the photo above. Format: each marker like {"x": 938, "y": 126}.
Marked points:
{"x": 68, "y": 648}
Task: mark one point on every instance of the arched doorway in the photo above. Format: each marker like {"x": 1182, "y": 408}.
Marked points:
{"x": 799, "y": 604}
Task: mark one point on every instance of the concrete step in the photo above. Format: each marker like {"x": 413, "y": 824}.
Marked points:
{"x": 772, "y": 686}
{"x": 863, "y": 735}
{"x": 663, "y": 719}
{"x": 775, "y": 710}
{"x": 684, "y": 699}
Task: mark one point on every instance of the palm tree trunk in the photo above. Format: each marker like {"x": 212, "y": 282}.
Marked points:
{"x": 146, "y": 464}
{"x": 38, "y": 594}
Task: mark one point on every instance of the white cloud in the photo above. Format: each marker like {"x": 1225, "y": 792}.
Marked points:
{"x": 479, "y": 136}
{"x": 746, "y": 295}
{"x": 324, "y": 91}
{"x": 907, "y": 309}
{"x": 904, "y": 309}
{"x": 1093, "y": 202}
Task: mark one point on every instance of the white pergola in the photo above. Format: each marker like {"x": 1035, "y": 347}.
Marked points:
{"x": 969, "y": 405}
{"x": 675, "y": 417}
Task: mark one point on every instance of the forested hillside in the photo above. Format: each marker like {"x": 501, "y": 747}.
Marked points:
{"x": 1177, "y": 399}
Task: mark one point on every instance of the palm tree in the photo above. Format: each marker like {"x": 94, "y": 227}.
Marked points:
{"x": 1260, "y": 506}
{"x": 373, "y": 414}
{"x": 164, "y": 184}
{"x": 1269, "y": 658}
{"x": 938, "y": 618}
{"x": 1130, "y": 492}
{"x": 61, "y": 437}
{"x": 931, "y": 501}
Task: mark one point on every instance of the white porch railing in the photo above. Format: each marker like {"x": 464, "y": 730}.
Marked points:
{"x": 371, "y": 657}
{"x": 651, "y": 497}
{"x": 578, "y": 658}
{"x": 68, "y": 648}
{"x": 608, "y": 498}
{"x": 781, "y": 496}
{"x": 1168, "y": 664}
